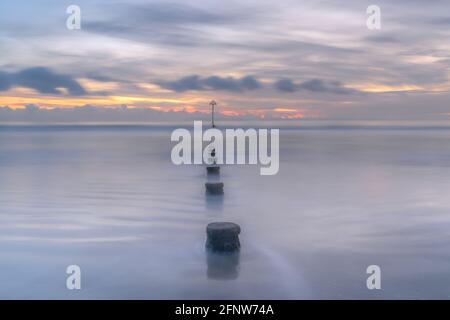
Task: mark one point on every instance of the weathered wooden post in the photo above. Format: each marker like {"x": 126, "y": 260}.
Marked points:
{"x": 223, "y": 237}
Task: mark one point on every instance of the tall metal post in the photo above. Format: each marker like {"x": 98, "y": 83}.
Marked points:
{"x": 213, "y": 104}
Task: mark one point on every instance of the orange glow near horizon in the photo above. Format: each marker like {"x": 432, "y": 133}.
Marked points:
{"x": 19, "y": 98}
{"x": 285, "y": 110}
{"x": 381, "y": 88}
{"x": 277, "y": 113}
{"x": 17, "y": 102}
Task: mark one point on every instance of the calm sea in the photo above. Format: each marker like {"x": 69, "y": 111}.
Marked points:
{"x": 109, "y": 199}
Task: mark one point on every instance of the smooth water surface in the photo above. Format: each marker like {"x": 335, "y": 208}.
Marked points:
{"x": 110, "y": 200}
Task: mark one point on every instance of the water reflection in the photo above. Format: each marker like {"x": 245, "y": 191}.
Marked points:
{"x": 213, "y": 176}
{"x": 214, "y": 202}
{"x": 111, "y": 199}
{"x": 222, "y": 266}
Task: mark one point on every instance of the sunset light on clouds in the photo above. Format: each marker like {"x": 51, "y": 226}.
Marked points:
{"x": 314, "y": 60}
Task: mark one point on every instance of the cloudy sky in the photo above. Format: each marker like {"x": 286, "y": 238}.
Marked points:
{"x": 286, "y": 59}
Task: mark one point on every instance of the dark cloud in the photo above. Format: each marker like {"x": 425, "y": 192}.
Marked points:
{"x": 250, "y": 83}
{"x": 317, "y": 85}
{"x": 218, "y": 83}
{"x": 195, "y": 82}
{"x": 42, "y": 80}
{"x": 183, "y": 84}
{"x": 285, "y": 85}
{"x": 5, "y": 82}
{"x": 314, "y": 85}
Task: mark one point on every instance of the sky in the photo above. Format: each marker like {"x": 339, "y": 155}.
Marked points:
{"x": 141, "y": 60}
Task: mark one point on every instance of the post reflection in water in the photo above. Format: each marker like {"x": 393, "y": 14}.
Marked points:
{"x": 222, "y": 266}
{"x": 214, "y": 203}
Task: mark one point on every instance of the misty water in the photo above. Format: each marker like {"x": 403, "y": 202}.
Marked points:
{"x": 109, "y": 199}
